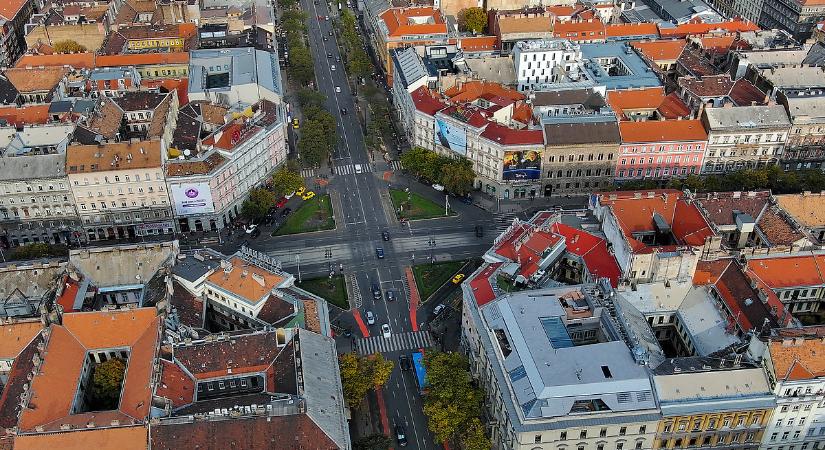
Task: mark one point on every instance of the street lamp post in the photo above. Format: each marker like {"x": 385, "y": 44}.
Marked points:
{"x": 298, "y": 262}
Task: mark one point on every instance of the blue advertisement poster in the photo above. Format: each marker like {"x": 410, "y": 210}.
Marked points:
{"x": 452, "y": 137}
{"x": 522, "y": 165}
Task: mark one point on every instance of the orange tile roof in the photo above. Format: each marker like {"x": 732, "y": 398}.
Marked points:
{"x": 53, "y": 389}
{"x": 717, "y": 42}
{"x": 796, "y": 360}
{"x": 708, "y": 272}
{"x": 27, "y": 115}
{"x": 94, "y": 158}
{"x": 14, "y": 337}
{"x": 631, "y": 29}
{"x": 478, "y": 43}
{"x": 788, "y": 272}
{"x": 579, "y": 30}
{"x": 473, "y": 90}
{"x": 399, "y": 21}
{"x": 694, "y": 28}
{"x": 662, "y": 131}
{"x": 181, "y": 84}
{"x": 560, "y": 10}
{"x": 523, "y": 24}
{"x": 76, "y": 60}
{"x": 10, "y": 8}
{"x": 36, "y": 79}
{"x": 239, "y": 280}
{"x": 123, "y": 438}
{"x": 635, "y": 99}
{"x": 664, "y": 50}
{"x": 142, "y": 59}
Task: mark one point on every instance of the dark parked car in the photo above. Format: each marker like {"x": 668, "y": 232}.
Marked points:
{"x": 404, "y": 362}
{"x": 390, "y": 296}
{"x": 401, "y": 435}
{"x": 379, "y": 252}
{"x": 286, "y": 212}
{"x": 479, "y": 231}
{"x": 376, "y": 291}
{"x": 385, "y": 235}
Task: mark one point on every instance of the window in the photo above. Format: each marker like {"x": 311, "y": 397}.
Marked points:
{"x": 563, "y": 436}
{"x": 622, "y": 431}
{"x": 537, "y": 439}
{"x": 619, "y": 445}
{"x": 603, "y": 432}
{"x": 638, "y": 445}
{"x": 583, "y": 434}
{"x": 643, "y": 429}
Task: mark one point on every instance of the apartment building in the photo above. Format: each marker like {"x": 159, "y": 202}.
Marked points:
{"x": 745, "y": 137}
{"x": 807, "y": 211}
{"x": 805, "y": 143}
{"x": 579, "y": 157}
{"x": 555, "y": 370}
{"x": 796, "y": 373}
{"x": 802, "y": 293}
{"x": 709, "y": 401}
{"x": 798, "y": 17}
{"x": 407, "y": 27}
{"x": 539, "y": 62}
{"x": 660, "y": 149}
{"x": 14, "y": 14}
{"x": 409, "y": 75}
{"x": 120, "y": 189}
{"x": 233, "y": 76}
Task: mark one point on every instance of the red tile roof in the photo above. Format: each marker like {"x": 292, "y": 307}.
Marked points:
{"x": 661, "y": 50}
{"x": 580, "y": 31}
{"x": 631, "y": 29}
{"x": 509, "y": 136}
{"x": 653, "y": 131}
{"x": 142, "y": 59}
{"x": 673, "y": 107}
{"x": 788, "y": 272}
{"x": 426, "y": 102}
{"x": 798, "y": 360}
{"x": 181, "y": 84}
{"x": 10, "y": 8}
{"x": 75, "y": 60}
{"x": 478, "y": 43}
{"x": 593, "y": 250}
{"x": 67, "y": 298}
{"x": 175, "y": 385}
{"x": 404, "y": 21}
{"x": 693, "y": 29}
{"x": 481, "y": 287}
{"x": 748, "y": 312}
{"x": 473, "y": 90}
{"x": 27, "y": 115}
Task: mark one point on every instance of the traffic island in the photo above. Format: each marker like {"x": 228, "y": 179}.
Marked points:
{"x": 332, "y": 289}
{"x": 314, "y": 215}
{"x": 430, "y": 277}
{"x": 412, "y": 206}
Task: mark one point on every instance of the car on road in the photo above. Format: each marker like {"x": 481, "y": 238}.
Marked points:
{"x": 358, "y": 168}
{"x": 300, "y": 191}
{"x": 295, "y": 124}
{"x": 404, "y": 362}
{"x": 401, "y": 435}
{"x": 385, "y": 235}
{"x": 281, "y": 202}
{"x": 437, "y": 310}
{"x": 457, "y": 278}
{"x": 370, "y": 318}
{"x": 251, "y": 228}
{"x": 329, "y": 55}
{"x": 379, "y": 252}
{"x": 479, "y": 231}
{"x": 308, "y": 195}
{"x": 330, "y": 32}
{"x": 343, "y": 111}
{"x": 332, "y": 67}
{"x": 286, "y": 212}
{"x": 337, "y": 59}
{"x": 338, "y": 89}
{"x": 326, "y": 39}
{"x": 376, "y": 291}
{"x": 438, "y": 187}
{"x": 390, "y": 296}
{"x": 385, "y": 330}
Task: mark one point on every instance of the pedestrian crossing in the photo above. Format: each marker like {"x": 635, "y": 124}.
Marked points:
{"x": 501, "y": 221}
{"x": 396, "y": 342}
{"x": 347, "y": 169}
{"x": 395, "y": 165}
{"x": 307, "y": 173}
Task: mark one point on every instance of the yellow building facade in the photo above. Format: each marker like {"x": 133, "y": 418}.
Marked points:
{"x": 737, "y": 428}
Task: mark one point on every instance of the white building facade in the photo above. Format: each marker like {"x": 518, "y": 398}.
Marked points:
{"x": 545, "y": 61}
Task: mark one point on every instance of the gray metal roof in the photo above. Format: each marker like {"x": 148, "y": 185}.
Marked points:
{"x": 245, "y": 66}
{"x": 33, "y": 167}
{"x": 409, "y": 66}
{"x": 191, "y": 268}
{"x": 747, "y": 117}
{"x": 322, "y": 386}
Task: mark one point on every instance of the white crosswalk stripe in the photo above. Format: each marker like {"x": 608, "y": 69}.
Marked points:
{"x": 395, "y": 165}
{"x": 396, "y": 342}
{"x": 307, "y": 173}
{"x": 501, "y": 221}
{"x": 347, "y": 169}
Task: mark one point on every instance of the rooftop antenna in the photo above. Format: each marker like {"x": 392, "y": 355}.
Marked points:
{"x": 579, "y": 374}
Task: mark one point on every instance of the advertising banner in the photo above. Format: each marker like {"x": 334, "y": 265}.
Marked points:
{"x": 452, "y": 137}
{"x": 522, "y": 165}
{"x": 192, "y": 198}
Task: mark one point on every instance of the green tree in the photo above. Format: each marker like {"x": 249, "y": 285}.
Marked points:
{"x": 359, "y": 63}
{"x": 257, "y": 204}
{"x": 300, "y": 68}
{"x": 457, "y": 176}
{"x": 474, "y": 438}
{"x": 313, "y": 145}
{"x": 286, "y": 4}
{"x": 106, "y": 382}
{"x": 452, "y": 401}
{"x": 310, "y": 97}
{"x": 68, "y": 46}
{"x": 372, "y": 442}
{"x": 286, "y": 181}
{"x": 360, "y": 373}
{"x": 472, "y": 19}
{"x": 380, "y": 370}
{"x": 413, "y": 159}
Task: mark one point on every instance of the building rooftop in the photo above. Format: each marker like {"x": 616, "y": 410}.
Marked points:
{"x": 511, "y": 136}
{"x": 647, "y": 100}
{"x": 10, "y": 8}
{"x": 794, "y": 77}
{"x": 413, "y": 21}
{"x": 653, "y": 131}
{"x": 121, "y": 438}
{"x": 113, "y": 156}
{"x": 33, "y": 167}
{"x": 756, "y": 117}
{"x": 409, "y": 66}
{"x": 695, "y": 28}
{"x": 797, "y": 358}
{"x": 782, "y": 272}
{"x": 74, "y": 60}
{"x": 25, "y": 286}
{"x": 244, "y": 66}
{"x": 577, "y": 133}
{"x": 807, "y": 209}
{"x": 36, "y": 79}
{"x": 661, "y": 50}
{"x": 125, "y": 265}
{"x": 612, "y": 65}
{"x": 751, "y": 307}
{"x": 552, "y": 371}
{"x": 426, "y": 102}
{"x": 53, "y": 389}
{"x": 245, "y": 280}
{"x": 16, "y": 336}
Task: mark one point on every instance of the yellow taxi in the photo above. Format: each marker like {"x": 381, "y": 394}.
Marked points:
{"x": 457, "y": 279}
{"x": 308, "y": 195}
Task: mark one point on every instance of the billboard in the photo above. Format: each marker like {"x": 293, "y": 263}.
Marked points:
{"x": 192, "y": 198}
{"x": 522, "y": 165}
{"x": 452, "y": 137}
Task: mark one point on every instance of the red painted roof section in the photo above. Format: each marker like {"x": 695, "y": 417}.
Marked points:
{"x": 631, "y": 29}
{"x": 10, "y": 8}
{"x": 787, "y": 272}
{"x": 142, "y": 59}
{"x": 662, "y": 131}
{"x": 699, "y": 28}
{"x": 579, "y": 31}
{"x": 593, "y": 250}
{"x": 402, "y": 21}
{"x": 27, "y": 115}
{"x": 471, "y": 115}
{"x": 67, "y": 297}
{"x": 673, "y": 107}
{"x": 509, "y": 136}
{"x": 480, "y": 284}
{"x": 478, "y": 43}
{"x": 175, "y": 385}
{"x": 75, "y": 60}
{"x": 473, "y": 90}
{"x": 181, "y": 84}
{"x": 426, "y": 102}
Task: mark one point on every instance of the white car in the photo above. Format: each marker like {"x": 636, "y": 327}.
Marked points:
{"x": 437, "y": 310}
{"x": 338, "y": 89}
{"x": 438, "y": 187}
{"x": 358, "y": 168}
{"x": 385, "y": 330}
{"x": 370, "y": 318}
{"x": 332, "y": 67}
{"x": 251, "y": 228}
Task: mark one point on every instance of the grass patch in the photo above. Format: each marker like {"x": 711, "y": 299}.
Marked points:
{"x": 430, "y": 277}
{"x": 413, "y": 206}
{"x": 314, "y": 215}
{"x": 332, "y": 289}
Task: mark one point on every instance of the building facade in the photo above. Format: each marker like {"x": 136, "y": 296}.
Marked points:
{"x": 660, "y": 149}
{"x": 798, "y": 17}
{"x": 545, "y": 61}
{"x": 14, "y": 14}
{"x": 120, "y": 189}
{"x": 579, "y": 157}
{"x": 805, "y": 144}
{"x": 744, "y": 137}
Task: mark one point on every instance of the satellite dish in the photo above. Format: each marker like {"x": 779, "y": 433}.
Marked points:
{"x": 187, "y": 152}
